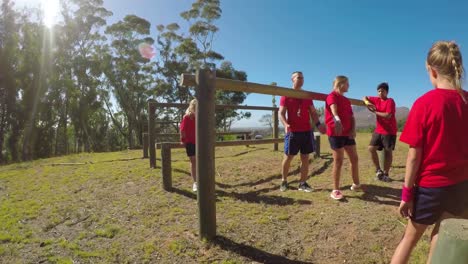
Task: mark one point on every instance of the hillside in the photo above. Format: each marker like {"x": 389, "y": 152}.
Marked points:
{"x": 364, "y": 118}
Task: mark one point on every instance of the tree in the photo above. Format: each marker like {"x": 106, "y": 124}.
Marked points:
{"x": 267, "y": 120}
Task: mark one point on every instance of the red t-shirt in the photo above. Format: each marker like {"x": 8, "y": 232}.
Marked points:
{"x": 188, "y": 126}
{"x": 298, "y": 116}
{"x": 345, "y": 112}
{"x": 385, "y": 126}
{"x": 438, "y": 123}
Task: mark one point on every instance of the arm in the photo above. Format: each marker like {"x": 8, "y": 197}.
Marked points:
{"x": 353, "y": 127}
{"x": 370, "y": 106}
{"x": 413, "y": 162}
{"x": 336, "y": 119}
{"x": 389, "y": 112}
{"x": 383, "y": 114}
{"x": 315, "y": 119}
{"x": 182, "y": 131}
{"x": 282, "y": 117}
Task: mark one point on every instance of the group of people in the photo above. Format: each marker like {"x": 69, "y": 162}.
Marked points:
{"x": 436, "y": 177}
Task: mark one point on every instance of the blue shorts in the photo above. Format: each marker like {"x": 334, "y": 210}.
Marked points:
{"x": 337, "y": 142}
{"x": 295, "y": 141}
{"x": 190, "y": 149}
{"x": 430, "y": 203}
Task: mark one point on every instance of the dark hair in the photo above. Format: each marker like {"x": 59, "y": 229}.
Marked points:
{"x": 383, "y": 85}
{"x": 298, "y": 72}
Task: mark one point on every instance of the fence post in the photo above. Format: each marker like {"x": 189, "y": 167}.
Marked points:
{"x": 151, "y": 120}
{"x": 205, "y": 151}
{"x": 145, "y": 145}
{"x": 166, "y": 168}
{"x": 317, "y": 144}
{"x": 452, "y": 245}
{"x": 275, "y": 128}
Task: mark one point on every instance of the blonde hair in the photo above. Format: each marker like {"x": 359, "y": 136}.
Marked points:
{"x": 339, "y": 81}
{"x": 192, "y": 108}
{"x": 445, "y": 57}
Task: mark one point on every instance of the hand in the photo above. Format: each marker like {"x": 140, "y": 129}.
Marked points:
{"x": 352, "y": 134}
{"x": 182, "y": 143}
{"x": 371, "y": 107}
{"x": 338, "y": 128}
{"x": 322, "y": 128}
{"x": 287, "y": 128}
{"x": 406, "y": 209}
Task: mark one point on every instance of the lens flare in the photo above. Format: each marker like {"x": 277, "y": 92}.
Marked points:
{"x": 146, "y": 50}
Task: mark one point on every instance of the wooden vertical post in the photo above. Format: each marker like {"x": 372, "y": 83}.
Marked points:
{"x": 166, "y": 168}
{"x": 275, "y": 128}
{"x": 145, "y": 145}
{"x": 317, "y": 144}
{"x": 452, "y": 245}
{"x": 205, "y": 151}
{"x": 151, "y": 132}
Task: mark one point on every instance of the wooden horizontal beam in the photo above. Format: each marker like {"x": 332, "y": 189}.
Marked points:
{"x": 243, "y": 107}
{"x": 230, "y": 143}
{"x": 247, "y": 87}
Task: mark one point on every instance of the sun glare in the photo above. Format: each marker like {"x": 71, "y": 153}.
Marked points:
{"x": 51, "y": 11}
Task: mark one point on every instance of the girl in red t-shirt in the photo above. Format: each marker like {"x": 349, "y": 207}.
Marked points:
{"x": 187, "y": 138}
{"x": 341, "y": 133}
{"x": 436, "y": 177}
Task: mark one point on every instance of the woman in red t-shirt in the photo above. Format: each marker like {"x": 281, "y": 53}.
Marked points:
{"x": 436, "y": 178}
{"x": 187, "y": 138}
{"x": 341, "y": 133}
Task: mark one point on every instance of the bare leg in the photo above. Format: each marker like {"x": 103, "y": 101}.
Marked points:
{"x": 413, "y": 233}
{"x": 304, "y": 167}
{"x": 338, "y": 155}
{"x": 285, "y": 166}
{"x": 353, "y": 159}
{"x": 193, "y": 169}
{"x": 374, "y": 156}
{"x": 388, "y": 160}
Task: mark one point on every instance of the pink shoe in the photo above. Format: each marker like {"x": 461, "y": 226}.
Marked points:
{"x": 336, "y": 194}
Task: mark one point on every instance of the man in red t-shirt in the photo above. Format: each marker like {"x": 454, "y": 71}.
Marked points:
{"x": 384, "y": 136}
{"x": 298, "y": 132}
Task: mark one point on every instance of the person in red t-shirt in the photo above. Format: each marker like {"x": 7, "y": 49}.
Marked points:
{"x": 436, "y": 177}
{"x": 298, "y": 132}
{"x": 187, "y": 138}
{"x": 384, "y": 136}
{"x": 341, "y": 133}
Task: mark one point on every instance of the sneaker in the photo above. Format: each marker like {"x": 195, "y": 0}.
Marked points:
{"x": 385, "y": 178}
{"x": 303, "y": 186}
{"x": 356, "y": 188}
{"x": 336, "y": 194}
{"x": 194, "y": 187}
{"x": 379, "y": 174}
{"x": 284, "y": 186}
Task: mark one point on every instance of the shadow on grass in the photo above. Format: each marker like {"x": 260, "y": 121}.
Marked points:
{"x": 320, "y": 170}
{"x": 256, "y": 197}
{"x": 380, "y": 194}
{"x": 182, "y": 171}
{"x": 185, "y": 193}
{"x": 252, "y": 253}
{"x": 241, "y": 153}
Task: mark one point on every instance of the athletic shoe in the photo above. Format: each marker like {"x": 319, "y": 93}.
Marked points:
{"x": 385, "y": 178}
{"x": 336, "y": 194}
{"x": 379, "y": 174}
{"x": 195, "y": 187}
{"x": 356, "y": 188}
{"x": 303, "y": 186}
{"x": 284, "y": 186}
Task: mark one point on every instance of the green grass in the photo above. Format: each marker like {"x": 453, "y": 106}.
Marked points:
{"x": 112, "y": 209}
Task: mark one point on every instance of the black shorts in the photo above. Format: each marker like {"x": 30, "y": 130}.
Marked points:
{"x": 190, "y": 149}
{"x": 386, "y": 142}
{"x": 295, "y": 141}
{"x": 337, "y": 142}
{"x": 430, "y": 203}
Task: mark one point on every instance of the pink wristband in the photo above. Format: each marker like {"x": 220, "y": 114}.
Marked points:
{"x": 407, "y": 194}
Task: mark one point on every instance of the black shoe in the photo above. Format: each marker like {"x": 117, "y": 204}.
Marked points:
{"x": 385, "y": 178}
{"x": 303, "y": 186}
{"x": 284, "y": 186}
{"x": 379, "y": 174}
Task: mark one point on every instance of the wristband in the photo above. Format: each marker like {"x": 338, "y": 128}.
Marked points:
{"x": 336, "y": 119}
{"x": 407, "y": 194}
{"x": 317, "y": 124}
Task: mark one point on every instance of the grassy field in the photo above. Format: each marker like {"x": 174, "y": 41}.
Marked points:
{"x": 110, "y": 208}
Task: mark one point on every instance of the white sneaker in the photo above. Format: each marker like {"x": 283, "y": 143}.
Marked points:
{"x": 195, "y": 187}
{"x": 356, "y": 188}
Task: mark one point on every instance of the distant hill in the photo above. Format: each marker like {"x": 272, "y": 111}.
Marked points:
{"x": 364, "y": 118}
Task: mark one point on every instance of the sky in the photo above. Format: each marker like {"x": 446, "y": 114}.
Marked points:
{"x": 368, "y": 41}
